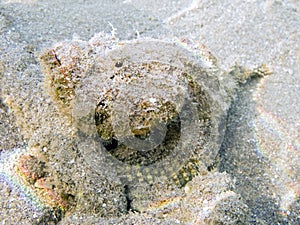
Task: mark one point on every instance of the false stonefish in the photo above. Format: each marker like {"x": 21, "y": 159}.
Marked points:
{"x": 143, "y": 109}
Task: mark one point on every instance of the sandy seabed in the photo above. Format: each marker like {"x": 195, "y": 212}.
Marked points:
{"x": 257, "y": 179}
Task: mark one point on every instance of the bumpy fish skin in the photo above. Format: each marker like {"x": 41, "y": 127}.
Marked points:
{"x": 176, "y": 99}
{"x": 137, "y": 112}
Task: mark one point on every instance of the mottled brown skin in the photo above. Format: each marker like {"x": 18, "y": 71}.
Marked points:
{"x": 68, "y": 63}
{"x": 34, "y": 173}
{"x": 63, "y": 75}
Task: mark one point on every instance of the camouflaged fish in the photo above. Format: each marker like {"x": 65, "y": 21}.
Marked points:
{"x": 143, "y": 109}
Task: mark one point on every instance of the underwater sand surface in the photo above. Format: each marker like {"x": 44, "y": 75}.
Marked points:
{"x": 261, "y": 150}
